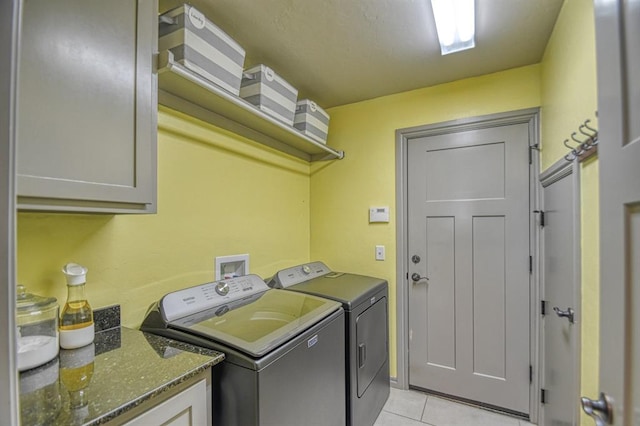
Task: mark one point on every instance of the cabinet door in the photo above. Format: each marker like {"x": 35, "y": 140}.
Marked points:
{"x": 87, "y": 106}
{"x": 188, "y": 408}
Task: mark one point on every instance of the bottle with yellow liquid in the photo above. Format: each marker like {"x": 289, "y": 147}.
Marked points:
{"x": 76, "y": 319}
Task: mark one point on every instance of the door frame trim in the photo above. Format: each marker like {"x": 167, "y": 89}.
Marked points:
{"x": 559, "y": 170}
{"x": 530, "y": 116}
{"x": 10, "y": 16}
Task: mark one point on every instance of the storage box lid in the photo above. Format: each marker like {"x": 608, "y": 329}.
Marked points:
{"x": 269, "y": 74}
{"x": 311, "y": 107}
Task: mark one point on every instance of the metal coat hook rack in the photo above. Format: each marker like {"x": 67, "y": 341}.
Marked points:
{"x": 584, "y": 148}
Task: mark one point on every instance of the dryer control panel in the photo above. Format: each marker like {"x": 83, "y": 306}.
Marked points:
{"x": 299, "y": 274}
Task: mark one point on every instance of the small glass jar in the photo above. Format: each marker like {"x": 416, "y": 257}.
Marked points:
{"x": 37, "y": 322}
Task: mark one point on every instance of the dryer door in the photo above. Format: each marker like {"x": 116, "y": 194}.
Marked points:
{"x": 371, "y": 343}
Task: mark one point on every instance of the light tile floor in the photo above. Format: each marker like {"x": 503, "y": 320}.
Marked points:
{"x": 413, "y": 408}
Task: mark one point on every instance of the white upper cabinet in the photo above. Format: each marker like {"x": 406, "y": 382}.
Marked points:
{"x": 87, "y": 106}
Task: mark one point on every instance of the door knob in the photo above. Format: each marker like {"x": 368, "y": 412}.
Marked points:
{"x": 569, "y": 313}
{"x": 416, "y": 277}
{"x": 601, "y": 409}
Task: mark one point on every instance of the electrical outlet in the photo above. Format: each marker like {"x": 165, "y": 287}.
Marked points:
{"x": 379, "y": 252}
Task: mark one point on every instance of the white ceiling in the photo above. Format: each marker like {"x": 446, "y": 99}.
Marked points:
{"x": 343, "y": 51}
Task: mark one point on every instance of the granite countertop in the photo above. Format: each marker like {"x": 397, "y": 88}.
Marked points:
{"x": 96, "y": 383}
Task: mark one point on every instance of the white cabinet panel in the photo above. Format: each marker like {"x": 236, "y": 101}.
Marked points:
{"x": 188, "y": 408}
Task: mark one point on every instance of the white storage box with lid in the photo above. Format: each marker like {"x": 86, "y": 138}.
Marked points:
{"x": 202, "y": 47}
{"x": 311, "y": 120}
{"x": 265, "y": 89}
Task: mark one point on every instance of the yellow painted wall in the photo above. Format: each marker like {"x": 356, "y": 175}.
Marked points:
{"x": 569, "y": 96}
{"x": 590, "y": 331}
{"x": 217, "y": 195}
{"x": 569, "y": 93}
{"x": 342, "y": 191}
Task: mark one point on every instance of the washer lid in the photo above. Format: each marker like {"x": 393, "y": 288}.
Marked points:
{"x": 259, "y": 323}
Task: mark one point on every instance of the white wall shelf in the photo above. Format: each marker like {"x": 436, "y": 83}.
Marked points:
{"x": 185, "y": 91}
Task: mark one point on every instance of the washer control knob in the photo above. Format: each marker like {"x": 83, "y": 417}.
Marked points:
{"x": 222, "y": 288}
{"x": 306, "y": 269}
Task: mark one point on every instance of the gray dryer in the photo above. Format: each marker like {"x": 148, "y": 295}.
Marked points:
{"x": 364, "y": 300}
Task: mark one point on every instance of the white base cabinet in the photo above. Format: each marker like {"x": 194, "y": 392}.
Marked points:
{"x": 188, "y": 408}
{"x": 189, "y": 404}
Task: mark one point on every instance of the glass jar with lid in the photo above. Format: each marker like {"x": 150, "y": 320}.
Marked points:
{"x": 37, "y": 322}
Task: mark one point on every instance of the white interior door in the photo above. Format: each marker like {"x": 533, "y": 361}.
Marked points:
{"x": 560, "y": 324}
{"x": 468, "y": 224}
{"x": 618, "y": 58}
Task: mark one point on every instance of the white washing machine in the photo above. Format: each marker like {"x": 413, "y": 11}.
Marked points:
{"x": 364, "y": 300}
{"x": 284, "y": 351}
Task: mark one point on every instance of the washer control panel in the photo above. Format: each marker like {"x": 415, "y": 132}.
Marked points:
{"x": 299, "y": 274}
{"x": 190, "y": 300}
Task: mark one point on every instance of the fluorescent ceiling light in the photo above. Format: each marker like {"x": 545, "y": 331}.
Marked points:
{"x": 455, "y": 22}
